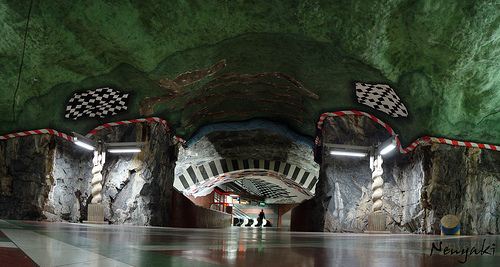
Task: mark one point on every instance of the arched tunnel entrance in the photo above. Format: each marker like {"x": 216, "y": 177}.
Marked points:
{"x": 245, "y": 167}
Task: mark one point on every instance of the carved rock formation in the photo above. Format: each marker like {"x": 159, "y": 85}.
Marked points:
{"x": 47, "y": 178}
{"x": 420, "y": 187}
{"x": 43, "y": 177}
{"x": 137, "y": 187}
{"x": 176, "y": 86}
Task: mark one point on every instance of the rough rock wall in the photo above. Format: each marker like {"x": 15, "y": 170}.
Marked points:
{"x": 465, "y": 182}
{"x": 70, "y": 188}
{"x": 419, "y": 188}
{"x": 42, "y": 177}
{"x": 138, "y": 187}
{"x": 247, "y": 144}
{"x": 47, "y": 178}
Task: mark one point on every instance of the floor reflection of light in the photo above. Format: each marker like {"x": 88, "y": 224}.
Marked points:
{"x": 231, "y": 252}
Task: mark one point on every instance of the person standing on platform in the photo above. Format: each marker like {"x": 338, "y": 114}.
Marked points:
{"x": 261, "y": 217}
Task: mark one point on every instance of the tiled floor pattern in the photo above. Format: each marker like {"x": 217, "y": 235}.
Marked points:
{"x": 64, "y": 244}
{"x": 10, "y": 254}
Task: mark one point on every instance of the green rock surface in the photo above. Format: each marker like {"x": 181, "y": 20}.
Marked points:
{"x": 442, "y": 58}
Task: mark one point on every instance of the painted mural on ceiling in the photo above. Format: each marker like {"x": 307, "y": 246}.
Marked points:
{"x": 195, "y": 63}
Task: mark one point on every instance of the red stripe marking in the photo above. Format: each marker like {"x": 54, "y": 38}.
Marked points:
{"x": 323, "y": 116}
{"x": 373, "y": 117}
{"x": 388, "y": 128}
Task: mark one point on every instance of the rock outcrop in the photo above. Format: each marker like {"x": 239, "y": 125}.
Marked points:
{"x": 138, "y": 187}
{"x": 256, "y": 139}
{"x": 47, "y": 178}
{"x": 419, "y": 188}
{"x": 42, "y": 177}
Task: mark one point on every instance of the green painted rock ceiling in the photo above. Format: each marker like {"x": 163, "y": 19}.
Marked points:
{"x": 199, "y": 62}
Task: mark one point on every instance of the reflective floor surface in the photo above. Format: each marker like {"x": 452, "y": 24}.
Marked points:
{"x": 25, "y": 243}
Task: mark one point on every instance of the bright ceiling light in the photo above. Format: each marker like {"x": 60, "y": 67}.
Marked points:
{"x": 84, "y": 145}
{"x": 387, "y": 149}
{"x": 348, "y": 153}
{"x": 124, "y": 150}
{"x": 84, "y": 142}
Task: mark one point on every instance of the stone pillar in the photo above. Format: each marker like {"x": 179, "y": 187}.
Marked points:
{"x": 96, "y": 208}
{"x": 376, "y": 220}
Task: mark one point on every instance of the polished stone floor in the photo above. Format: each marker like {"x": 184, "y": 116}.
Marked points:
{"x": 26, "y": 243}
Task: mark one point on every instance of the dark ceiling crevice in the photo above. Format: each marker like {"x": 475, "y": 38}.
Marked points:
{"x": 22, "y": 62}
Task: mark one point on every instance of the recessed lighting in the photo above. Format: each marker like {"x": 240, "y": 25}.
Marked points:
{"x": 348, "y": 153}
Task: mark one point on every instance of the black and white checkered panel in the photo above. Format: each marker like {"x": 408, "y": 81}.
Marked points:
{"x": 194, "y": 175}
{"x": 249, "y": 187}
{"x": 270, "y": 190}
{"x": 101, "y": 103}
{"x": 381, "y": 97}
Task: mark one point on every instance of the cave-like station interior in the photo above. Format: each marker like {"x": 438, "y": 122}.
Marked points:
{"x": 249, "y": 133}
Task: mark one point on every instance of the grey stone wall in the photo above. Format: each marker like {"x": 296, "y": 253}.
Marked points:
{"x": 47, "y": 178}
{"x": 247, "y": 144}
{"x": 138, "y": 187}
{"x": 419, "y": 188}
{"x": 465, "y": 182}
{"x": 42, "y": 177}
{"x": 70, "y": 187}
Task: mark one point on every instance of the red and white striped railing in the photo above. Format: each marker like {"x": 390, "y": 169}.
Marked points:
{"x": 422, "y": 140}
{"x": 93, "y": 131}
{"x": 37, "y": 132}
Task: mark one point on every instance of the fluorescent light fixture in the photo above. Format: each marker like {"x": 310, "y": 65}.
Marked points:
{"x": 124, "y": 147}
{"x": 84, "y": 145}
{"x": 348, "y": 153}
{"x": 387, "y": 146}
{"x": 348, "y": 150}
{"x": 387, "y": 149}
{"x": 124, "y": 150}
{"x": 84, "y": 142}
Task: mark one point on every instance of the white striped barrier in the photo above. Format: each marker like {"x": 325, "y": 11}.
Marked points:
{"x": 420, "y": 141}
{"x": 93, "y": 131}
